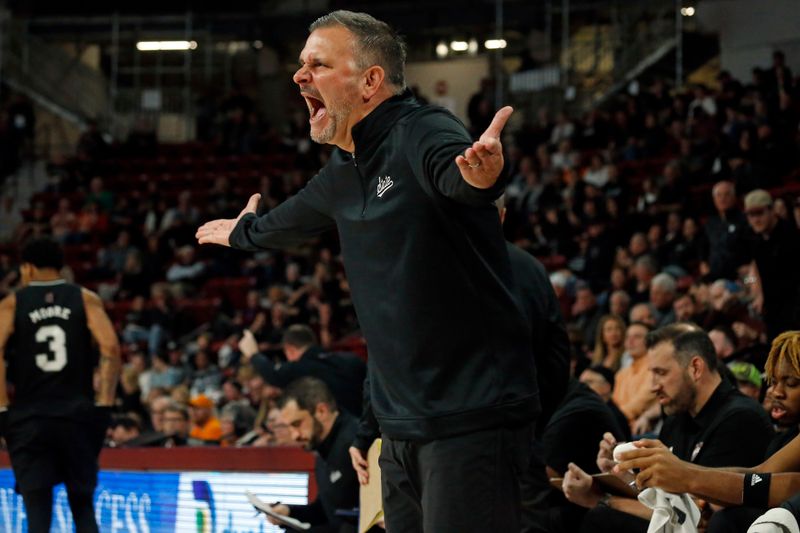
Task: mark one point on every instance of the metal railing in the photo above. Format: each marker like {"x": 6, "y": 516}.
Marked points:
{"x": 53, "y": 77}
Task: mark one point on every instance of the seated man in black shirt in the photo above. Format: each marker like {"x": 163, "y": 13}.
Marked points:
{"x": 726, "y": 486}
{"x": 309, "y": 409}
{"x": 570, "y": 437}
{"x": 342, "y": 372}
{"x": 708, "y": 423}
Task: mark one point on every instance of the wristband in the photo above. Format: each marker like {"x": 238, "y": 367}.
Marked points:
{"x": 755, "y": 490}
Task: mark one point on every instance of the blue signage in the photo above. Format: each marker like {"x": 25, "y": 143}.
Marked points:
{"x": 166, "y": 502}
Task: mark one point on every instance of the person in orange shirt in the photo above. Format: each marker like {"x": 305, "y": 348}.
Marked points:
{"x": 632, "y": 392}
{"x": 205, "y": 426}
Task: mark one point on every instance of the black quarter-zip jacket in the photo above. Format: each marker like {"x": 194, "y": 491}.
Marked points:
{"x": 449, "y": 347}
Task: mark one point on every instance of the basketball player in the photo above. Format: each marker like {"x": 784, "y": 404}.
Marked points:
{"x": 55, "y": 426}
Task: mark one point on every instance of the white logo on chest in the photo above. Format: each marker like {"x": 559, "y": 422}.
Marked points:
{"x": 384, "y": 184}
{"x": 335, "y": 476}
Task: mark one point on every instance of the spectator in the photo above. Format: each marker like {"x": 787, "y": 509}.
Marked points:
{"x": 748, "y": 379}
{"x": 441, "y": 98}
{"x": 162, "y": 375}
{"x": 175, "y": 427}
{"x": 585, "y": 314}
{"x": 62, "y": 223}
{"x": 206, "y": 377}
{"x": 644, "y": 270}
{"x": 158, "y": 406}
{"x": 123, "y": 430}
{"x": 662, "y": 295}
{"x": 632, "y": 391}
{"x": 724, "y": 232}
{"x": 619, "y": 303}
{"x": 98, "y": 195}
{"x": 685, "y": 309}
{"x": 773, "y": 254}
{"x": 643, "y": 313}
{"x": 205, "y": 426}
{"x": 342, "y": 372}
{"x": 563, "y": 130}
{"x": 609, "y": 342}
{"x": 186, "y": 273}
{"x": 724, "y": 341}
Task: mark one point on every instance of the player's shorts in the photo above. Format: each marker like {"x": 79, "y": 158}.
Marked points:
{"x": 47, "y": 451}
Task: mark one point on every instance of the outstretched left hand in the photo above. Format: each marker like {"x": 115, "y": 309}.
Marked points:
{"x": 219, "y": 231}
{"x": 482, "y": 163}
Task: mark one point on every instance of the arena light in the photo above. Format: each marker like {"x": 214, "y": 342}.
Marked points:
{"x": 442, "y": 50}
{"x": 472, "y": 46}
{"x": 459, "y": 46}
{"x": 687, "y": 11}
{"x": 495, "y": 44}
{"x": 159, "y": 46}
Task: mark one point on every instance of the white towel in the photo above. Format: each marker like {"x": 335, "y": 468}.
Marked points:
{"x": 778, "y": 520}
{"x": 672, "y": 513}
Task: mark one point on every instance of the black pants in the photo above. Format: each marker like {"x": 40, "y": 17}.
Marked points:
{"x": 39, "y": 509}
{"x": 463, "y": 484}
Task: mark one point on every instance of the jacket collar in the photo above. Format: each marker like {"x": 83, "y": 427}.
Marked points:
{"x": 371, "y": 129}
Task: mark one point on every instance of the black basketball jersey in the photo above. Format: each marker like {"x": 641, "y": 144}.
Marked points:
{"x": 50, "y": 354}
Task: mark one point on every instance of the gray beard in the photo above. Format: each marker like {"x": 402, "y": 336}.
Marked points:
{"x": 325, "y": 136}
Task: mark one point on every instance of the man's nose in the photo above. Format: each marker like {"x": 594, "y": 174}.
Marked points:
{"x": 301, "y": 76}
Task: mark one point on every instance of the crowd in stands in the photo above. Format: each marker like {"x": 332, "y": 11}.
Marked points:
{"x": 660, "y": 208}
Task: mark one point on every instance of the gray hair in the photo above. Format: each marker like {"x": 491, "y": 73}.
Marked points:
{"x": 664, "y": 281}
{"x": 720, "y": 284}
{"x": 376, "y": 43}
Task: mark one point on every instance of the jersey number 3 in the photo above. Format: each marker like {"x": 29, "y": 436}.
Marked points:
{"x": 57, "y": 344}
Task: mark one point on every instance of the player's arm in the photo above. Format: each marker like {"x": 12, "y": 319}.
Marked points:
{"x": 7, "y": 307}
{"x": 103, "y": 332}
{"x": 660, "y": 468}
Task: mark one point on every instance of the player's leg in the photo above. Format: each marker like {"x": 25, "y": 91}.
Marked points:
{"x": 78, "y": 459}
{"x": 39, "y": 509}
{"x": 81, "y": 503}
{"x": 35, "y": 468}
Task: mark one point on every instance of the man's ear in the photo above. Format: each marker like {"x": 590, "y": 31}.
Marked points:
{"x": 372, "y": 80}
{"x": 696, "y": 366}
{"x": 322, "y": 410}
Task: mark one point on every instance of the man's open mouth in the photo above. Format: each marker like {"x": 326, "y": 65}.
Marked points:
{"x": 316, "y": 108}
{"x": 777, "y": 412}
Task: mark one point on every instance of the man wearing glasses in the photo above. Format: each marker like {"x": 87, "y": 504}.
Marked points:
{"x": 773, "y": 252}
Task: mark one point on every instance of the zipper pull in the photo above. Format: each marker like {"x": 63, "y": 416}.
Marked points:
{"x": 355, "y": 164}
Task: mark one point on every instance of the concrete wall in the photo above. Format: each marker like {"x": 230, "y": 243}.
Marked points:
{"x": 750, "y": 30}
{"x": 463, "y": 77}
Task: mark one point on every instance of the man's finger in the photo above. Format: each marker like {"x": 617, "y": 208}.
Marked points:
{"x": 252, "y": 203}
{"x": 649, "y": 443}
{"x": 499, "y": 122}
